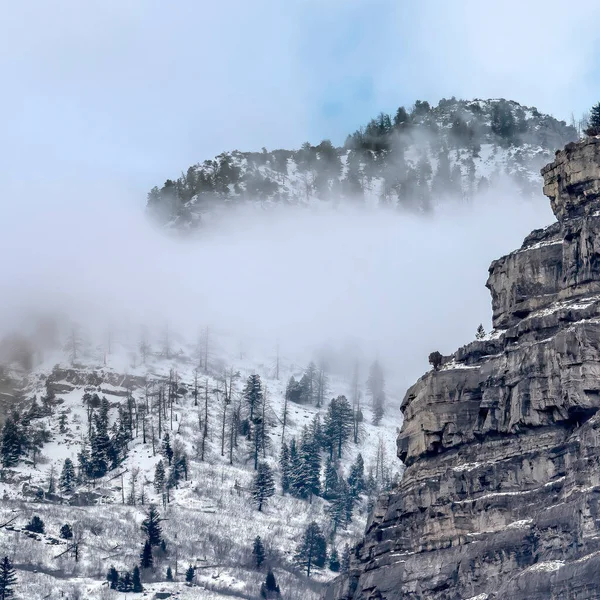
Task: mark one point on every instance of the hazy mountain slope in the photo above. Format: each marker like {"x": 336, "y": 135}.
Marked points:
{"x": 414, "y": 160}
{"x": 211, "y": 519}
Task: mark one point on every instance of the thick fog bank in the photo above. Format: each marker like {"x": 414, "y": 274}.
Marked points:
{"x": 370, "y": 282}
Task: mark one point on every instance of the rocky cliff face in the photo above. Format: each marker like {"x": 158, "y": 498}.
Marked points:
{"x": 501, "y": 496}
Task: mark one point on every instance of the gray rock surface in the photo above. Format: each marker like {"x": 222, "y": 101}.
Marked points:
{"x": 501, "y": 495}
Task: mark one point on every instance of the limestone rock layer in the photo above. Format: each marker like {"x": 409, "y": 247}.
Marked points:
{"x": 501, "y": 495}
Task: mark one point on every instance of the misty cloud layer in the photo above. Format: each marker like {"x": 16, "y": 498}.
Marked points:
{"x": 384, "y": 282}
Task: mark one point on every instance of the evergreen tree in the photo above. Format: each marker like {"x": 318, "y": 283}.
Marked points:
{"x": 338, "y": 426}
{"x": 338, "y": 508}
{"x": 66, "y": 532}
{"x": 113, "y": 578}
{"x": 11, "y": 446}
{"x": 137, "y": 586}
{"x": 284, "y": 465}
{"x": 334, "y": 561}
{"x": 146, "y": 557}
{"x": 36, "y": 525}
{"x": 169, "y": 574}
{"x": 8, "y": 579}
{"x": 167, "y": 450}
{"x": 312, "y": 549}
{"x": 480, "y": 334}
{"x": 263, "y": 486}
{"x": 67, "y": 477}
{"x": 269, "y": 588}
{"x": 311, "y": 457}
{"x": 356, "y": 478}
{"x": 190, "y": 574}
{"x": 594, "y": 121}
{"x": 331, "y": 479}
{"x": 258, "y": 552}
{"x": 253, "y": 395}
{"x": 159, "y": 477}
{"x": 151, "y": 526}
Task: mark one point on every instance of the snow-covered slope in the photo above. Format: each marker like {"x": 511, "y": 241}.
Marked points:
{"x": 210, "y": 521}
{"x": 416, "y": 160}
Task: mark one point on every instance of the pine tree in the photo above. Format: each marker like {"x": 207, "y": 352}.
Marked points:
{"x": 338, "y": 507}
{"x": 190, "y": 574}
{"x": 137, "y": 586}
{"x": 169, "y": 574}
{"x": 67, "y": 477}
{"x": 270, "y": 587}
{"x": 66, "y": 532}
{"x": 167, "y": 450}
{"x": 258, "y": 552}
{"x": 146, "y": 557}
{"x": 480, "y": 334}
{"x": 594, "y": 121}
{"x": 253, "y": 395}
{"x": 11, "y": 446}
{"x": 356, "y": 478}
{"x": 36, "y": 525}
{"x": 263, "y": 486}
{"x": 334, "y": 561}
{"x": 331, "y": 479}
{"x": 338, "y": 426}
{"x": 151, "y": 526}
{"x": 284, "y": 465}
{"x": 159, "y": 477}
{"x": 312, "y": 550}
{"x": 113, "y": 578}
{"x": 8, "y": 579}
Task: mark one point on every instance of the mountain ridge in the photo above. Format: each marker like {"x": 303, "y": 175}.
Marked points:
{"x": 412, "y": 160}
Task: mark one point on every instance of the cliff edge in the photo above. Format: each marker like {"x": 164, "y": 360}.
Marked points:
{"x": 501, "y": 495}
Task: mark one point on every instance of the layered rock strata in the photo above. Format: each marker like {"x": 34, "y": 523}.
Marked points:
{"x": 501, "y": 495}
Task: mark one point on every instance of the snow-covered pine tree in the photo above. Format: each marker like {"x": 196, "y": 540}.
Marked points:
{"x": 312, "y": 549}
{"x": 66, "y": 532}
{"x": 151, "y": 526}
{"x": 258, "y": 552}
{"x": 159, "y": 477}
{"x": 113, "y": 578}
{"x": 480, "y": 333}
{"x": 169, "y": 574}
{"x": 338, "y": 425}
{"x": 146, "y": 557}
{"x": 594, "y": 121}
{"x": 253, "y": 395}
{"x": 356, "y": 477}
{"x": 263, "y": 486}
{"x": 136, "y": 581}
{"x": 190, "y": 574}
{"x": 11, "y": 445}
{"x": 167, "y": 450}
{"x": 331, "y": 479}
{"x": 284, "y": 466}
{"x": 8, "y": 579}
{"x": 68, "y": 478}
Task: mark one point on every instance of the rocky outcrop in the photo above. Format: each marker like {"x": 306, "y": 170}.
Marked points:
{"x": 501, "y": 495}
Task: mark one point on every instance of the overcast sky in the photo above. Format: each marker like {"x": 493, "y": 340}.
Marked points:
{"x": 134, "y": 91}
